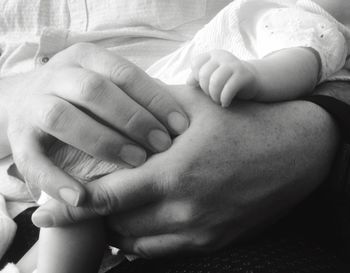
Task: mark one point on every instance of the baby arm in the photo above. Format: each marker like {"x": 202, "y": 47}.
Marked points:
{"x": 71, "y": 249}
{"x": 282, "y": 75}
{"x": 76, "y": 248}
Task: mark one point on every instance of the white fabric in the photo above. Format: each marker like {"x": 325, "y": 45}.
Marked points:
{"x": 140, "y": 30}
{"x": 252, "y": 29}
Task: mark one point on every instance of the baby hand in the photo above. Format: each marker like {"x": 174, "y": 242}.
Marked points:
{"x": 222, "y": 76}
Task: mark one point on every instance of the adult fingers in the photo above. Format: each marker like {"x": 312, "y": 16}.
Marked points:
{"x": 57, "y": 117}
{"x": 111, "y": 105}
{"x": 38, "y": 170}
{"x": 198, "y": 240}
{"x": 155, "y": 219}
{"x": 133, "y": 81}
{"x": 153, "y": 246}
{"x": 116, "y": 192}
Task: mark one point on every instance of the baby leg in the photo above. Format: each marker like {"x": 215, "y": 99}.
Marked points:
{"x": 72, "y": 249}
{"x": 28, "y": 262}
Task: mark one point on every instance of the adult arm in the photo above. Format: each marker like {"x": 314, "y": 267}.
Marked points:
{"x": 232, "y": 172}
{"x": 75, "y": 98}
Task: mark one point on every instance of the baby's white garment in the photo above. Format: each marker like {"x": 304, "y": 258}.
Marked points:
{"x": 253, "y": 29}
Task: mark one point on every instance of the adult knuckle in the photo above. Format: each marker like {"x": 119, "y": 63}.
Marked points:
{"x": 103, "y": 146}
{"x": 183, "y": 214}
{"x": 134, "y": 120}
{"x": 36, "y": 176}
{"x": 54, "y": 115}
{"x": 13, "y": 131}
{"x": 103, "y": 201}
{"x": 123, "y": 73}
{"x": 40, "y": 178}
{"x": 92, "y": 88}
{"x": 80, "y": 51}
{"x": 155, "y": 101}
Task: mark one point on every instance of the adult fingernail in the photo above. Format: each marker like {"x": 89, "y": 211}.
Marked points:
{"x": 177, "y": 122}
{"x": 70, "y": 196}
{"x": 159, "y": 140}
{"x": 132, "y": 155}
{"x": 42, "y": 219}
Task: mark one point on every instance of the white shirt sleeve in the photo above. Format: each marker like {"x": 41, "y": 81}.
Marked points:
{"x": 287, "y": 27}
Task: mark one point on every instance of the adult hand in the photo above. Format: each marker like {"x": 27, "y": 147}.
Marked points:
{"x": 231, "y": 172}
{"x": 84, "y": 97}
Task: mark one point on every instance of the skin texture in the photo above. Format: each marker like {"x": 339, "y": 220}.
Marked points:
{"x": 74, "y": 98}
{"x": 232, "y": 172}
